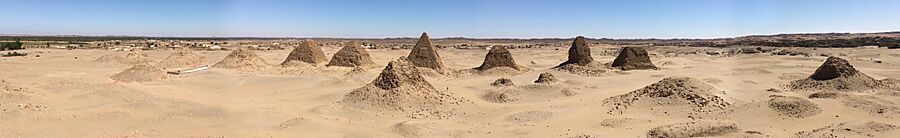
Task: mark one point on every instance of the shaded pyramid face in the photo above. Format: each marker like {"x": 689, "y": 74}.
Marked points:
{"x": 351, "y": 55}
{"x": 633, "y": 58}
{"x": 499, "y": 56}
{"x": 308, "y": 51}
{"x": 400, "y": 73}
{"x": 834, "y": 67}
{"x": 579, "y": 53}
{"x": 424, "y": 54}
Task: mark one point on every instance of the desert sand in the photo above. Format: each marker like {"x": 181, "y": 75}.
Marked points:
{"x": 657, "y": 91}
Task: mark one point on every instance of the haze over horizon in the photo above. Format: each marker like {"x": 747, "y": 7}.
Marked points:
{"x": 465, "y": 18}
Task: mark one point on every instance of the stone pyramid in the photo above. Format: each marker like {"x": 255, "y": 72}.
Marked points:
{"x": 182, "y": 58}
{"x": 424, "y": 54}
{"x": 309, "y": 52}
{"x": 580, "y": 61}
{"x": 579, "y": 53}
{"x": 351, "y": 55}
{"x": 401, "y": 88}
{"x": 499, "y": 56}
{"x": 838, "y": 74}
{"x": 633, "y": 58}
{"x": 242, "y": 59}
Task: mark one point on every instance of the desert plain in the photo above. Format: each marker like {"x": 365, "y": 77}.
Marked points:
{"x": 689, "y": 92}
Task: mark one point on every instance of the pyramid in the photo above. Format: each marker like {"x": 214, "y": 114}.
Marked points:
{"x": 132, "y": 58}
{"x": 242, "y": 59}
{"x": 137, "y": 57}
{"x": 837, "y": 74}
{"x": 633, "y": 58}
{"x": 498, "y": 56}
{"x": 545, "y": 78}
{"x": 182, "y": 58}
{"x": 424, "y": 54}
{"x": 580, "y": 61}
{"x": 671, "y": 92}
{"x": 140, "y": 73}
{"x": 352, "y": 55}
{"x": 308, "y": 51}
{"x": 401, "y": 88}
{"x": 111, "y": 57}
{"x": 579, "y": 53}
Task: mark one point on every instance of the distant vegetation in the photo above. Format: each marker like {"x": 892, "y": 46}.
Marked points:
{"x": 10, "y": 45}
{"x": 13, "y": 54}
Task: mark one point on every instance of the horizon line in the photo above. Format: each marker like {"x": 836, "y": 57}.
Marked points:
{"x": 294, "y": 37}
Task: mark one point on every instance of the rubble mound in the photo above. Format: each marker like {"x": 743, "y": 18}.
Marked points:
{"x": 499, "y": 56}
{"x": 838, "y": 74}
{"x": 671, "y": 92}
{"x": 137, "y": 57}
{"x": 110, "y": 57}
{"x": 356, "y": 71}
{"x": 308, "y": 51}
{"x": 401, "y": 88}
{"x": 182, "y": 58}
{"x": 502, "y": 82}
{"x": 793, "y": 106}
{"x": 546, "y": 78}
{"x": 242, "y": 59}
{"x": 141, "y": 73}
{"x": 580, "y": 61}
{"x": 352, "y": 55}
{"x": 868, "y": 129}
{"x": 132, "y": 58}
{"x": 693, "y": 129}
{"x": 424, "y": 54}
{"x": 633, "y": 58}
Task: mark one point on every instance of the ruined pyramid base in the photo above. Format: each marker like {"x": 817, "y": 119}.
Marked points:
{"x": 671, "y": 95}
{"x": 412, "y": 102}
{"x": 141, "y": 73}
{"x": 496, "y": 71}
{"x": 856, "y": 83}
{"x": 637, "y": 66}
{"x": 593, "y": 69}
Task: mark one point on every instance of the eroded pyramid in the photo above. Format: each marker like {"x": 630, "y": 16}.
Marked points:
{"x": 401, "y": 88}
{"x": 242, "y": 59}
{"x": 499, "y": 56}
{"x": 141, "y": 73}
{"x": 671, "y": 92}
{"x": 633, "y": 58}
{"x": 579, "y": 53}
{"x": 182, "y": 58}
{"x": 309, "y": 52}
{"x": 424, "y": 54}
{"x": 351, "y": 55}
{"x": 838, "y": 74}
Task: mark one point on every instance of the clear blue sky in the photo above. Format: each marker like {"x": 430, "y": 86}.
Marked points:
{"x": 447, "y": 18}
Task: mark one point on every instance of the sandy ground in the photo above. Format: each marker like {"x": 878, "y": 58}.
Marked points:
{"x": 63, "y": 93}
